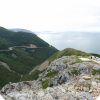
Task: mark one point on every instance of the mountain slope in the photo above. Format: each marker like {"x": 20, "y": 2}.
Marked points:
{"x": 19, "y": 38}
{"x": 4, "y": 79}
{"x": 65, "y": 52}
{"x": 68, "y": 52}
{"x": 64, "y": 79}
{"x": 21, "y": 58}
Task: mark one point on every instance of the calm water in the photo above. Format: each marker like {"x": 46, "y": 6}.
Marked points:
{"x": 85, "y": 41}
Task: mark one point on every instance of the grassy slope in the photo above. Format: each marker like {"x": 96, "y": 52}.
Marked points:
{"x": 68, "y": 52}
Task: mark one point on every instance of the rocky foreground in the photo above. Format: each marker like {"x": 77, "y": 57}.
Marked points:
{"x": 66, "y": 78}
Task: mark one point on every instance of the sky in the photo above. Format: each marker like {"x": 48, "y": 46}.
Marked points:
{"x": 61, "y": 23}
{"x": 51, "y": 15}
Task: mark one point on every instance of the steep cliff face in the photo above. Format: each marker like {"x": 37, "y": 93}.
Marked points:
{"x": 66, "y": 78}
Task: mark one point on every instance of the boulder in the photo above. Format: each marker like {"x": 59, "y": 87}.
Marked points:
{"x": 71, "y": 96}
{"x": 53, "y": 82}
{"x": 84, "y": 96}
{"x": 81, "y": 69}
{"x": 64, "y": 77}
{"x": 52, "y": 92}
{"x": 96, "y": 67}
{"x": 53, "y": 68}
{"x": 80, "y": 96}
{"x": 82, "y": 80}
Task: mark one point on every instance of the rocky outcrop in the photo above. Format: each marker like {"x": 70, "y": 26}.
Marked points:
{"x": 67, "y": 80}
{"x": 21, "y": 86}
{"x": 96, "y": 67}
{"x": 67, "y": 69}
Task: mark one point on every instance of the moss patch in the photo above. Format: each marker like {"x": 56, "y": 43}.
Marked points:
{"x": 45, "y": 84}
{"x": 74, "y": 72}
{"x": 52, "y": 74}
{"x": 96, "y": 72}
{"x": 78, "y": 61}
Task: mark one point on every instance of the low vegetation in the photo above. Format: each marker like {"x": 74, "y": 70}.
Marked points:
{"x": 78, "y": 61}
{"x": 7, "y": 76}
{"x": 74, "y": 72}
{"x": 96, "y": 72}
{"x": 31, "y": 77}
{"x": 45, "y": 84}
{"x": 68, "y": 52}
{"x": 52, "y": 74}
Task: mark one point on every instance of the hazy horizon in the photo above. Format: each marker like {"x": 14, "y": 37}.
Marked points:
{"x": 85, "y": 41}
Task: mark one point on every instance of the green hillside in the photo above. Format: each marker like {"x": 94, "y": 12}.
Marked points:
{"x": 21, "y": 60}
{"x": 7, "y": 76}
{"x": 25, "y": 60}
{"x": 68, "y": 52}
{"x": 10, "y": 38}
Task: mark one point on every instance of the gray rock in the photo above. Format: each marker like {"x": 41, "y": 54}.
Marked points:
{"x": 71, "y": 96}
{"x": 64, "y": 77}
{"x": 51, "y": 82}
{"x": 46, "y": 73}
{"x": 96, "y": 67}
{"x": 53, "y": 68}
{"x": 80, "y": 96}
{"x": 82, "y": 80}
{"x": 52, "y": 92}
{"x": 81, "y": 69}
{"x": 21, "y": 86}
{"x": 85, "y": 96}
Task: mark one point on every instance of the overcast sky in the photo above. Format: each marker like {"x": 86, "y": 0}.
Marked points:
{"x": 51, "y": 15}
{"x": 84, "y": 41}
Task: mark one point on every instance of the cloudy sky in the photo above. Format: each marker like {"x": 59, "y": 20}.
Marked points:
{"x": 62, "y": 23}
{"x": 51, "y": 15}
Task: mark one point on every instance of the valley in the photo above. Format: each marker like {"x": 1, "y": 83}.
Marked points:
{"x": 20, "y": 52}
{"x": 31, "y": 69}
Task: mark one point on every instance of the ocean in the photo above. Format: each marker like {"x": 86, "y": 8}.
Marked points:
{"x": 84, "y": 41}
